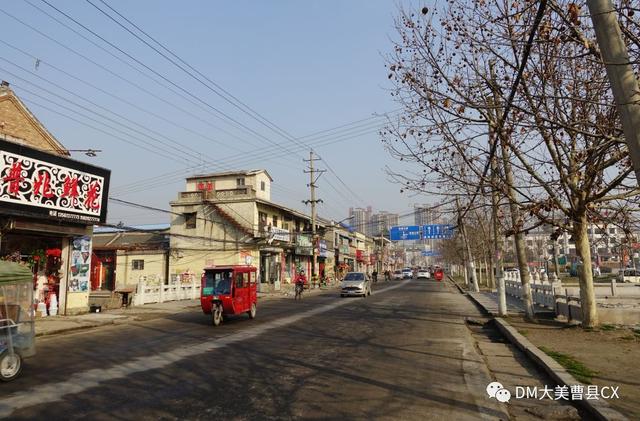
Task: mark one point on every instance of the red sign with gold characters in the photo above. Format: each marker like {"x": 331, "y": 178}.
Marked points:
{"x": 39, "y": 184}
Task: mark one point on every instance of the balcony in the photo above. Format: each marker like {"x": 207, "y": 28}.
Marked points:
{"x": 191, "y": 196}
{"x": 244, "y": 192}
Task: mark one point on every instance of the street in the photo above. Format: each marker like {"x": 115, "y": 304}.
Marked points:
{"x": 403, "y": 353}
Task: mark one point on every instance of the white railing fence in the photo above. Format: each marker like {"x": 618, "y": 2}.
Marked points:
{"x": 564, "y": 301}
{"x": 179, "y": 288}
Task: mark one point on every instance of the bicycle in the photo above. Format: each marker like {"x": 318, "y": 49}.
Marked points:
{"x": 298, "y": 290}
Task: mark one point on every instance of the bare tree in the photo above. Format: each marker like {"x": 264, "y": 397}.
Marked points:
{"x": 561, "y": 149}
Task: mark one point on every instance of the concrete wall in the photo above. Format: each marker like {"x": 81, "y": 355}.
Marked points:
{"x": 153, "y": 272}
{"x": 260, "y": 194}
{"x": 194, "y": 261}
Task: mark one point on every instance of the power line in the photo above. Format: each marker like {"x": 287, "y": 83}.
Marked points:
{"x": 245, "y": 108}
{"x": 116, "y": 75}
{"x": 184, "y": 90}
{"x": 253, "y": 113}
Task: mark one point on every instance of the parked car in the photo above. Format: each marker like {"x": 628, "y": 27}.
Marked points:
{"x": 629, "y": 275}
{"x": 407, "y": 273}
{"x": 355, "y": 283}
{"x": 397, "y": 274}
{"x": 424, "y": 274}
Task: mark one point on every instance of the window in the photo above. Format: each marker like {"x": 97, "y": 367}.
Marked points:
{"x": 137, "y": 264}
{"x": 241, "y": 280}
{"x": 275, "y": 221}
{"x": 612, "y": 230}
{"x": 285, "y": 225}
{"x": 240, "y": 181}
{"x": 190, "y": 220}
{"x": 263, "y": 185}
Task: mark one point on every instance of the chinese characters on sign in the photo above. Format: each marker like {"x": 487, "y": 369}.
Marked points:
{"x": 36, "y": 182}
{"x": 415, "y": 232}
{"x": 404, "y": 232}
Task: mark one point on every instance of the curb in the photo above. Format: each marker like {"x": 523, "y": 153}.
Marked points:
{"x": 599, "y": 409}
{"x": 463, "y": 292}
{"x": 72, "y": 329}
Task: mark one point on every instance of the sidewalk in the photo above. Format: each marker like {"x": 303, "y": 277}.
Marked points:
{"x": 489, "y": 300}
{"x": 604, "y": 357}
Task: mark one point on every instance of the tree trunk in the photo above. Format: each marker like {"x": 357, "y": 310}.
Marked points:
{"x": 473, "y": 280}
{"x": 488, "y": 274}
{"x": 587, "y": 291}
{"x": 521, "y": 253}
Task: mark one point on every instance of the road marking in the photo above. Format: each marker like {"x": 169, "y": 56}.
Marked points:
{"x": 80, "y": 382}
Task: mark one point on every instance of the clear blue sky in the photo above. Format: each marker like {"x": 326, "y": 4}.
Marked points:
{"x": 304, "y": 65}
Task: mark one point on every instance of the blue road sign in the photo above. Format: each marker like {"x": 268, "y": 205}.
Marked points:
{"x": 427, "y": 253}
{"x": 437, "y": 231}
{"x": 404, "y": 232}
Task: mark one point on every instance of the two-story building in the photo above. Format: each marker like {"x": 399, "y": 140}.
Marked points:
{"x": 228, "y": 218}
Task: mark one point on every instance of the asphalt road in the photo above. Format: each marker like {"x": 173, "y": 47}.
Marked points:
{"x": 402, "y": 353}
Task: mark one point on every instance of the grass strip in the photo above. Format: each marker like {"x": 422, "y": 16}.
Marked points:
{"x": 573, "y": 366}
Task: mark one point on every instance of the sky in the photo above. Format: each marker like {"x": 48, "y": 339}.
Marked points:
{"x": 293, "y": 69}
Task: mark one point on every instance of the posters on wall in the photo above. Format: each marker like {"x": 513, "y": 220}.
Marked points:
{"x": 80, "y": 264}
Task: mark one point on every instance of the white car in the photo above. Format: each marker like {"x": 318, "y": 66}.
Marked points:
{"x": 355, "y": 283}
{"x": 407, "y": 273}
{"x": 424, "y": 274}
{"x": 397, "y": 274}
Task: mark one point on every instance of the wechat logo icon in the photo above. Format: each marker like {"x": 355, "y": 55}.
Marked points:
{"x": 496, "y": 390}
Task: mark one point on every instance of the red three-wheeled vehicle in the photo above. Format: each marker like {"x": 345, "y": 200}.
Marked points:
{"x": 228, "y": 290}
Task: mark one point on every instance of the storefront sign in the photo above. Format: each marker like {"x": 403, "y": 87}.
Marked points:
{"x": 280, "y": 234}
{"x": 322, "y": 248}
{"x": 360, "y": 255}
{"x": 51, "y": 186}
{"x": 80, "y": 264}
{"x": 303, "y": 240}
{"x": 304, "y": 251}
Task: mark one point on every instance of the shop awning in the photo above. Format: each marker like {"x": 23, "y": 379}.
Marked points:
{"x": 14, "y": 272}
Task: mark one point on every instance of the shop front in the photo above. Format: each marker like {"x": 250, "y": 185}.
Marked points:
{"x": 270, "y": 269}
{"x": 48, "y": 206}
{"x": 324, "y": 270}
{"x": 303, "y": 254}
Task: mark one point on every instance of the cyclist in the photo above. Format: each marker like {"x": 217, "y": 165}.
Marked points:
{"x": 299, "y": 281}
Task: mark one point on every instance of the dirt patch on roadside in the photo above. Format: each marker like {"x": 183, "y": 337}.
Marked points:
{"x": 613, "y": 353}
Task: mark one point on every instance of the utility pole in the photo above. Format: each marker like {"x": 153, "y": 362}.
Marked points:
{"x": 314, "y": 174}
{"x": 624, "y": 83}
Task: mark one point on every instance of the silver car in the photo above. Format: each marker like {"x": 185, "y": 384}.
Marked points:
{"x": 355, "y": 283}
